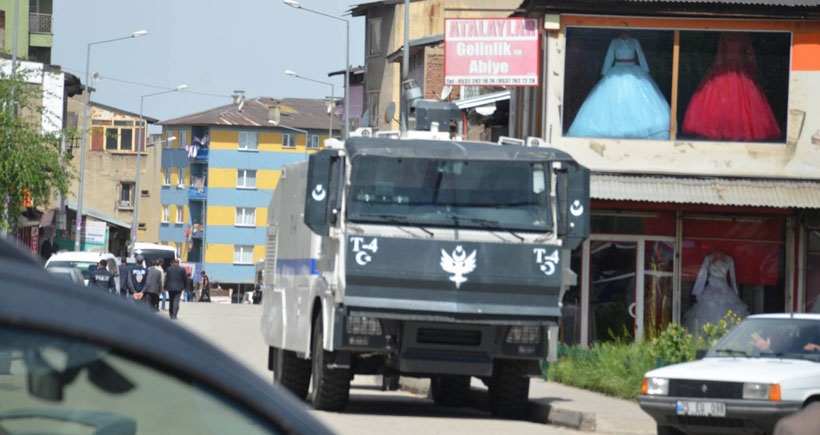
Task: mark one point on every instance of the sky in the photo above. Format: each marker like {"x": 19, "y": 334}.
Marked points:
{"x": 214, "y": 47}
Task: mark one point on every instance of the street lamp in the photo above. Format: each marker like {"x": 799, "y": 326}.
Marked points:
{"x": 78, "y": 234}
{"x": 297, "y": 5}
{"x": 332, "y": 100}
{"x": 276, "y": 123}
{"x": 134, "y": 227}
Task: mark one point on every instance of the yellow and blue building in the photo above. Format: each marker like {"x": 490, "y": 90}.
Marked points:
{"x": 220, "y": 174}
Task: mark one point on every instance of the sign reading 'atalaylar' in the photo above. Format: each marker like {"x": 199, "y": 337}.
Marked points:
{"x": 456, "y": 264}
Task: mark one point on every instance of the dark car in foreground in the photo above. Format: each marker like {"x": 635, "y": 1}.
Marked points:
{"x": 76, "y": 359}
{"x": 764, "y": 369}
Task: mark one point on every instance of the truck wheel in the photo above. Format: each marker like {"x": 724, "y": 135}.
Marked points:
{"x": 509, "y": 389}
{"x": 331, "y": 387}
{"x": 291, "y": 372}
{"x": 450, "y": 391}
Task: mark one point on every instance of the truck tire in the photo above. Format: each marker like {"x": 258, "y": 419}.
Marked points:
{"x": 331, "y": 387}
{"x": 509, "y": 389}
{"x": 450, "y": 391}
{"x": 291, "y": 372}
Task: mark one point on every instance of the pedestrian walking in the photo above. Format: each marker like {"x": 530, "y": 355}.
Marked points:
{"x": 126, "y": 283}
{"x": 101, "y": 278}
{"x": 139, "y": 274}
{"x": 153, "y": 287}
{"x": 189, "y": 288}
{"x": 175, "y": 284}
{"x": 206, "y": 288}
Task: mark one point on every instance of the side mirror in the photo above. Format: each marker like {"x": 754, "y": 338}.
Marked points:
{"x": 572, "y": 204}
{"x": 323, "y": 190}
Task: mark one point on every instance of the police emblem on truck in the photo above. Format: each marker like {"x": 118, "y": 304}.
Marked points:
{"x": 459, "y": 264}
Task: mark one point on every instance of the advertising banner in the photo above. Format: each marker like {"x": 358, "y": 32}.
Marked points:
{"x": 491, "y": 52}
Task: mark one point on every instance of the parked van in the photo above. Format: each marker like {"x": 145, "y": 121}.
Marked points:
{"x": 85, "y": 262}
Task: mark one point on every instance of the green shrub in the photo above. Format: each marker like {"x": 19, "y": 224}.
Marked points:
{"x": 673, "y": 345}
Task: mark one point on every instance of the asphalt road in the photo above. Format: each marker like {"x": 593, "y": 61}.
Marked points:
{"x": 235, "y": 329}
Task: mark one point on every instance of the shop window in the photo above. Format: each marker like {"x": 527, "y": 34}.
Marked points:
{"x": 723, "y": 259}
{"x": 731, "y": 86}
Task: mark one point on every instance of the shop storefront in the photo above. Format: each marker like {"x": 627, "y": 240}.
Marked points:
{"x": 645, "y": 262}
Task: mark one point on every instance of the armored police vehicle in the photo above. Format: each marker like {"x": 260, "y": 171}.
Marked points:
{"x": 436, "y": 259}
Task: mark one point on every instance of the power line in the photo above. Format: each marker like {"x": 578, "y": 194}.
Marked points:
{"x": 153, "y": 86}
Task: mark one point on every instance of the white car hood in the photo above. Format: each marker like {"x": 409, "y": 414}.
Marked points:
{"x": 765, "y": 370}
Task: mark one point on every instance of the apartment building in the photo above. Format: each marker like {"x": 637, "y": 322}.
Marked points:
{"x": 219, "y": 176}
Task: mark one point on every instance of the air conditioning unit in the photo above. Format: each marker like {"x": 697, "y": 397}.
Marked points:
{"x": 125, "y": 203}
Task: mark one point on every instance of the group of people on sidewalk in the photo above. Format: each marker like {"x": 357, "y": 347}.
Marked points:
{"x": 147, "y": 281}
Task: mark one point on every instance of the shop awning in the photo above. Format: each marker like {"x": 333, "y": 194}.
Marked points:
{"x": 712, "y": 191}
{"x": 97, "y": 215}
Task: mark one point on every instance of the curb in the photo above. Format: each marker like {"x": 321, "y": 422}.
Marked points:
{"x": 538, "y": 412}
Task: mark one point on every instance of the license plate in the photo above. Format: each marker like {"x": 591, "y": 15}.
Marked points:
{"x": 701, "y": 409}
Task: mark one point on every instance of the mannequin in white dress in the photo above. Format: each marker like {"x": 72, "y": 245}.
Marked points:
{"x": 716, "y": 292}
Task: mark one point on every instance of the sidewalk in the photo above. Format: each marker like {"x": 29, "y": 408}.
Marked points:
{"x": 558, "y": 404}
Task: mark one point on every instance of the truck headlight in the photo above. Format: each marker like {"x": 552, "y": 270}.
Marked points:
{"x": 362, "y": 326}
{"x": 524, "y": 335}
{"x": 655, "y": 386}
{"x": 756, "y": 391}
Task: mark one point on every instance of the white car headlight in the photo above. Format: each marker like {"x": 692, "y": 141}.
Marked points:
{"x": 756, "y": 391}
{"x": 655, "y": 386}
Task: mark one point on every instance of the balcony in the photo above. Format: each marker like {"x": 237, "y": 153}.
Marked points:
{"x": 39, "y": 23}
{"x": 201, "y": 156}
{"x": 198, "y": 194}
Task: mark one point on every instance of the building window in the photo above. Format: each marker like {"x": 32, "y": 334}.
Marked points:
{"x": 288, "y": 140}
{"x": 178, "y": 247}
{"x": 120, "y": 139}
{"x": 243, "y": 254}
{"x": 729, "y": 86}
{"x": 126, "y": 195}
{"x": 314, "y": 141}
{"x": 245, "y": 217}
{"x": 166, "y": 213}
{"x": 246, "y": 179}
{"x": 180, "y": 214}
{"x": 181, "y": 177}
{"x": 374, "y": 32}
{"x": 168, "y": 143}
{"x": 373, "y": 108}
{"x": 248, "y": 140}
{"x": 183, "y": 139}
{"x": 166, "y": 177}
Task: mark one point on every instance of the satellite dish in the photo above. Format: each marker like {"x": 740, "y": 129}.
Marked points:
{"x": 389, "y": 111}
{"x": 445, "y": 92}
{"x": 95, "y": 77}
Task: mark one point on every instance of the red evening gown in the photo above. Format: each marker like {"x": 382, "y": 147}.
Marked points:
{"x": 729, "y": 104}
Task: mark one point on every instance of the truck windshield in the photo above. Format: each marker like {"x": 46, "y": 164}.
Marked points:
{"x": 450, "y": 193}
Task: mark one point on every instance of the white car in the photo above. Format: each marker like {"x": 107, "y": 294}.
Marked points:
{"x": 740, "y": 387}
{"x": 85, "y": 262}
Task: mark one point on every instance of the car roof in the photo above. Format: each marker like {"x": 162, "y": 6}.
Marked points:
{"x": 78, "y": 312}
{"x": 801, "y": 316}
{"x": 81, "y": 256}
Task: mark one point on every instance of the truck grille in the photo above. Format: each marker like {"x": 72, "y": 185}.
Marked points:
{"x": 448, "y": 336}
{"x": 705, "y": 389}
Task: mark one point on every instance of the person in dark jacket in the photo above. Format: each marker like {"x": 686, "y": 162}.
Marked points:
{"x": 126, "y": 283}
{"x": 153, "y": 286}
{"x": 102, "y": 278}
{"x": 175, "y": 283}
{"x": 138, "y": 276}
{"x": 205, "y": 296}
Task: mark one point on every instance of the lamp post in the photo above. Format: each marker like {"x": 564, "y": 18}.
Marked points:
{"x": 297, "y": 5}
{"x": 332, "y": 100}
{"x": 277, "y": 124}
{"x": 140, "y": 142}
{"x": 79, "y": 233}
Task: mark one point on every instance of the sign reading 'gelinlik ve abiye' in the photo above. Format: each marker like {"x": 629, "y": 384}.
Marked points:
{"x": 494, "y": 52}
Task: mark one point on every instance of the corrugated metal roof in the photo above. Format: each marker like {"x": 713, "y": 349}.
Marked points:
{"x": 781, "y": 3}
{"x": 712, "y": 191}
{"x": 307, "y": 114}
{"x": 480, "y": 100}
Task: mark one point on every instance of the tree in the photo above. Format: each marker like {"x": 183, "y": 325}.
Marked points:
{"x": 31, "y": 163}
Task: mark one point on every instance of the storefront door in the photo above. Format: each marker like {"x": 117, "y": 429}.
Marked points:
{"x": 629, "y": 286}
